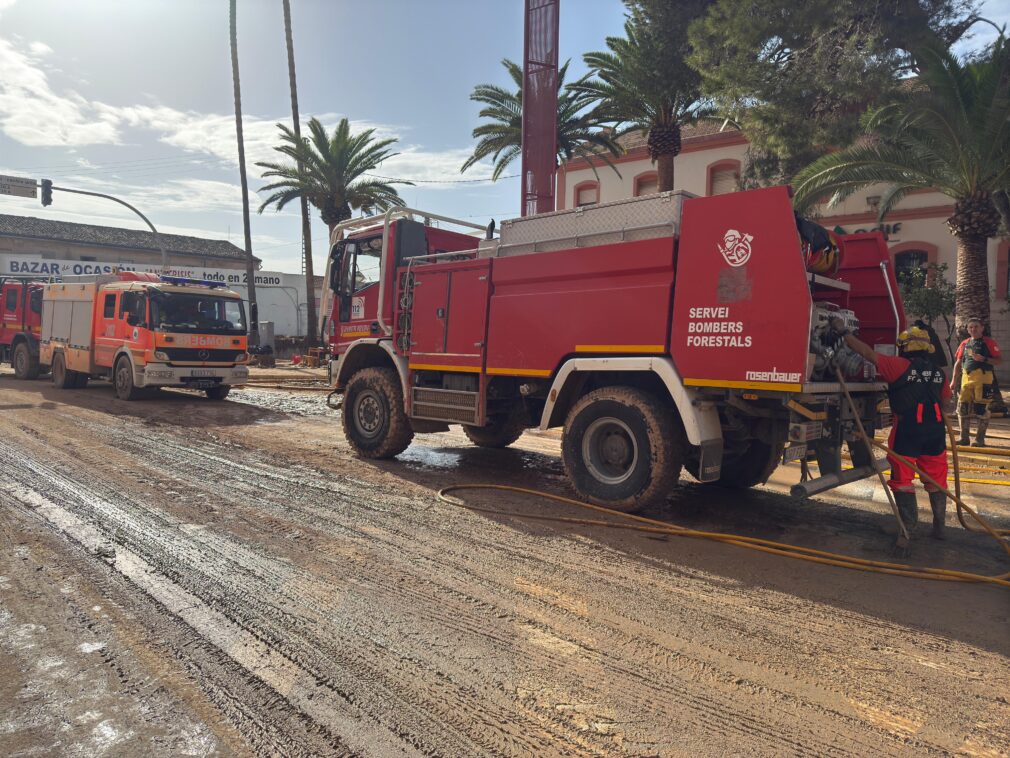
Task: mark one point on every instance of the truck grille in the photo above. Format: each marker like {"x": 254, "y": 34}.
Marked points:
{"x": 201, "y": 355}
{"x": 445, "y": 405}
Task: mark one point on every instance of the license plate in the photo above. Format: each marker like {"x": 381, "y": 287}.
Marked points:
{"x": 202, "y": 384}
{"x": 794, "y": 453}
{"x": 203, "y": 372}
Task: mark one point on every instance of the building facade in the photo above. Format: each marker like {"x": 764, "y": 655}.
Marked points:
{"x": 56, "y": 249}
{"x": 711, "y": 162}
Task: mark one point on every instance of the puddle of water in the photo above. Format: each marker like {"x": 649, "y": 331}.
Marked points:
{"x": 429, "y": 458}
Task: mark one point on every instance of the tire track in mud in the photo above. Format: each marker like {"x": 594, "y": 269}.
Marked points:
{"x": 475, "y": 639}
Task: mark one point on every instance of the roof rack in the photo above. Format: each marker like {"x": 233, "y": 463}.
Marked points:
{"x": 192, "y": 282}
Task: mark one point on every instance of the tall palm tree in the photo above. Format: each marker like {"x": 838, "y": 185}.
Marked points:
{"x": 250, "y": 263}
{"x": 631, "y": 90}
{"x": 950, "y": 132}
{"x": 328, "y": 172}
{"x": 579, "y": 132}
{"x": 310, "y": 284}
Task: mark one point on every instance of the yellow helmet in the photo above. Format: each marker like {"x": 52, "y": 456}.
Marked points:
{"x": 915, "y": 339}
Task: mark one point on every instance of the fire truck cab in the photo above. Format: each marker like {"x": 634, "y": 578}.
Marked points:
{"x": 661, "y": 333}
{"x": 142, "y": 330}
{"x": 20, "y": 324}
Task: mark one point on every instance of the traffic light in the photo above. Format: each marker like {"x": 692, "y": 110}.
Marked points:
{"x": 47, "y": 191}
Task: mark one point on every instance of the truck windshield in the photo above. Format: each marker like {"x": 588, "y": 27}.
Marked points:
{"x": 178, "y": 312}
{"x": 360, "y": 265}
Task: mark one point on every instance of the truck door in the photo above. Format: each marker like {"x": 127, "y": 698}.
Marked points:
{"x": 448, "y": 324}
{"x": 107, "y": 341}
{"x": 10, "y": 322}
{"x": 356, "y": 292}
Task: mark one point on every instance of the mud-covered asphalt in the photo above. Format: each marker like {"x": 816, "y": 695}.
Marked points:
{"x": 182, "y": 577}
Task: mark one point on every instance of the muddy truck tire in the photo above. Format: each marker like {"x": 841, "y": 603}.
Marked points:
{"x": 122, "y": 377}
{"x": 218, "y": 393}
{"x": 62, "y": 378}
{"x": 374, "y": 420}
{"x": 501, "y": 430}
{"x": 26, "y": 365}
{"x": 622, "y": 448}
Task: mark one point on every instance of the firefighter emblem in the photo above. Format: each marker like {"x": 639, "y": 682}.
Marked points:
{"x": 203, "y": 355}
{"x": 735, "y": 247}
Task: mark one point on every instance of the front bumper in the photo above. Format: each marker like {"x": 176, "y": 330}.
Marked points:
{"x": 164, "y": 375}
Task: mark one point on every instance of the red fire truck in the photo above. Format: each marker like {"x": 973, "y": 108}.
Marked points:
{"x": 662, "y": 332}
{"x": 20, "y": 323}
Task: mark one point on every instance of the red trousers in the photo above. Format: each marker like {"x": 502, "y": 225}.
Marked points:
{"x": 902, "y": 477}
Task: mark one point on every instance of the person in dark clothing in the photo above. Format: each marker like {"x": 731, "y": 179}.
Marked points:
{"x": 917, "y": 389}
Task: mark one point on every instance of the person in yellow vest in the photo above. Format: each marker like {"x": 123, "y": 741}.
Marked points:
{"x": 976, "y": 358}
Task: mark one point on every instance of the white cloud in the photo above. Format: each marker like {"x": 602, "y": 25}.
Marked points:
{"x": 40, "y": 48}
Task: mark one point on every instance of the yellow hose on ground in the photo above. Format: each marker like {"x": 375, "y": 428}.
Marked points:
{"x": 653, "y": 526}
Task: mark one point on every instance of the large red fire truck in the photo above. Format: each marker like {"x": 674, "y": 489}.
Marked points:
{"x": 661, "y": 332}
{"x": 20, "y": 324}
{"x": 142, "y": 330}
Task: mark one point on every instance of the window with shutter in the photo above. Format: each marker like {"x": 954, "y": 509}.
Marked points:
{"x": 587, "y": 196}
{"x": 724, "y": 180}
{"x": 647, "y": 187}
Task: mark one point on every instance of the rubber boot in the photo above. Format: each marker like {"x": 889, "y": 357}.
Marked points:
{"x": 983, "y": 427}
{"x": 908, "y": 509}
{"x": 938, "y": 503}
{"x": 964, "y": 422}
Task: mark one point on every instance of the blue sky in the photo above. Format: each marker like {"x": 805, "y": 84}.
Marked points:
{"x": 134, "y": 98}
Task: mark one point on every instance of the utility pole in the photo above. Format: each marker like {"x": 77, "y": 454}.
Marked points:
{"x": 250, "y": 265}
{"x": 307, "y": 267}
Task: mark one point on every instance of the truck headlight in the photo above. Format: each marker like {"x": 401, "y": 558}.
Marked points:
{"x": 161, "y": 355}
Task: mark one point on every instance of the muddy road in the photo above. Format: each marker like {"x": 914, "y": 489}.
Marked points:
{"x": 185, "y": 577}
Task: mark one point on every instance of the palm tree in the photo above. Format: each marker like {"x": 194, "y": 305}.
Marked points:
{"x": 328, "y": 172}
{"x": 579, "y": 132}
{"x": 250, "y": 263}
{"x": 950, "y": 132}
{"x": 310, "y": 284}
{"x": 631, "y": 90}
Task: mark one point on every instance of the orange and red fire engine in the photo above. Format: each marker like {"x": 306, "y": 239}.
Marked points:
{"x": 661, "y": 333}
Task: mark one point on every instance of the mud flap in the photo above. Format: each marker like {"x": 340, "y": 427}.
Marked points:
{"x": 710, "y": 460}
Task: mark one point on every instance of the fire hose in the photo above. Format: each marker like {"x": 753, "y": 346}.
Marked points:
{"x": 654, "y": 526}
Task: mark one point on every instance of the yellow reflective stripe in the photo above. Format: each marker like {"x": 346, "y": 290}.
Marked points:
{"x": 435, "y": 367}
{"x": 355, "y": 334}
{"x": 620, "y": 348}
{"x": 519, "y": 372}
{"x": 771, "y": 386}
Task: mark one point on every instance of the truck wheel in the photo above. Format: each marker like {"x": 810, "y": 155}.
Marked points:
{"x": 218, "y": 393}
{"x": 747, "y": 469}
{"x": 26, "y": 365}
{"x": 622, "y": 448}
{"x": 502, "y": 429}
{"x": 374, "y": 420}
{"x": 751, "y": 468}
{"x": 62, "y": 379}
{"x": 122, "y": 377}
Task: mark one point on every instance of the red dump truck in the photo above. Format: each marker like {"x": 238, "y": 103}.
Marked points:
{"x": 20, "y": 324}
{"x": 661, "y": 333}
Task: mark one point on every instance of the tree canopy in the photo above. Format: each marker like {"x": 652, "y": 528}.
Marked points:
{"x": 330, "y": 172}
{"x": 797, "y": 76}
{"x": 580, "y": 132}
